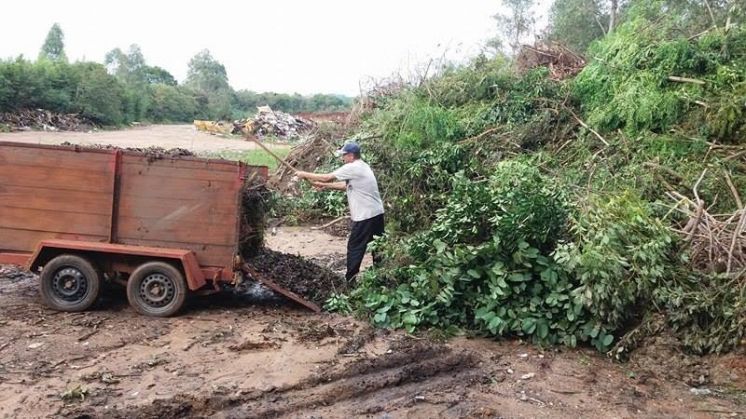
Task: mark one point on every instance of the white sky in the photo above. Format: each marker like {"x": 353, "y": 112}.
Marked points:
{"x": 314, "y": 46}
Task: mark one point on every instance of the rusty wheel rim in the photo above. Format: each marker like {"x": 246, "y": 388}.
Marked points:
{"x": 157, "y": 290}
{"x": 69, "y": 285}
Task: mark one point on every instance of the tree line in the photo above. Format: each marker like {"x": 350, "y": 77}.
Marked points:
{"x": 578, "y": 23}
{"x": 124, "y": 88}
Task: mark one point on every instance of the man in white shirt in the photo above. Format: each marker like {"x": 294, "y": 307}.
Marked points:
{"x": 366, "y": 207}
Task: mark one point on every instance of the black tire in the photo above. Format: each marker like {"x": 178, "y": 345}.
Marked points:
{"x": 69, "y": 283}
{"x": 157, "y": 289}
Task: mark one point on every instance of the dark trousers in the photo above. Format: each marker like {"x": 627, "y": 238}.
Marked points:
{"x": 361, "y": 233}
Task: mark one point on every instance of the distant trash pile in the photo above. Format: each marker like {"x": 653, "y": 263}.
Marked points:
{"x": 43, "y": 120}
{"x": 266, "y": 123}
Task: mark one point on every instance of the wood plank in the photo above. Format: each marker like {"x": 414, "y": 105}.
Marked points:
{"x": 55, "y": 177}
{"x": 173, "y": 229}
{"x": 37, "y": 156}
{"x": 189, "y": 163}
{"x": 54, "y": 221}
{"x": 21, "y": 240}
{"x": 176, "y": 172}
{"x": 207, "y": 255}
{"x": 194, "y": 209}
{"x": 172, "y": 173}
{"x": 55, "y": 199}
{"x": 157, "y": 187}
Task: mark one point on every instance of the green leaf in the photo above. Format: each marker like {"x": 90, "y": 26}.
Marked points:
{"x": 607, "y": 340}
{"x": 528, "y": 325}
{"x": 594, "y": 332}
{"x": 543, "y": 330}
{"x": 493, "y": 324}
{"x": 409, "y": 318}
{"x": 519, "y": 277}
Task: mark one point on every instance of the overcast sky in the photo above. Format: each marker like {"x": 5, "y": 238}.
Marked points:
{"x": 312, "y": 46}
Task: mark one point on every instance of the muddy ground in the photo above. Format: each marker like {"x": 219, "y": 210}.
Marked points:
{"x": 237, "y": 356}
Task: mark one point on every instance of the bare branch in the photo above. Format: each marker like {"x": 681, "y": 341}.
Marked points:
{"x": 733, "y": 190}
{"x": 685, "y": 80}
{"x": 584, "y": 125}
{"x": 712, "y": 16}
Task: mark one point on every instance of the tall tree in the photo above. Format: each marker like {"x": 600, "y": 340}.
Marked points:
{"x": 208, "y": 77}
{"x": 613, "y": 9}
{"x": 54, "y": 45}
{"x": 131, "y": 70}
{"x": 515, "y": 25}
{"x": 206, "y": 74}
{"x": 99, "y": 96}
{"x": 576, "y": 23}
{"x": 699, "y": 15}
{"x": 130, "y": 67}
{"x": 157, "y": 75}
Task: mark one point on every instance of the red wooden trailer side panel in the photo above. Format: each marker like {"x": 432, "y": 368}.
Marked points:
{"x": 123, "y": 197}
{"x": 181, "y": 204}
{"x": 48, "y": 192}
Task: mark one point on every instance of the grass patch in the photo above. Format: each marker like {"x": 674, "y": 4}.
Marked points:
{"x": 256, "y": 157}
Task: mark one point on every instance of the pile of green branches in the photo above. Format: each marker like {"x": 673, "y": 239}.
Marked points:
{"x": 522, "y": 206}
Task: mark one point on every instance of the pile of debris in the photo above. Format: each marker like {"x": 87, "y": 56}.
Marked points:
{"x": 307, "y": 155}
{"x": 334, "y": 117}
{"x": 40, "y": 119}
{"x": 153, "y": 152}
{"x": 561, "y": 61}
{"x": 717, "y": 241}
{"x": 298, "y": 275}
{"x": 278, "y": 124}
{"x": 254, "y": 204}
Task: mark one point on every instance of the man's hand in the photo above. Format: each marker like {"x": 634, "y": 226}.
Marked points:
{"x": 318, "y": 186}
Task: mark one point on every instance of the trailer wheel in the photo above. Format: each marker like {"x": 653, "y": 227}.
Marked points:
{"x": 156, "y": 289}
{"x": 69, "y": 283}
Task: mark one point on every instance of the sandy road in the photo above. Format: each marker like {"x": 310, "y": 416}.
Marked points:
{"x": 165, "y": 136}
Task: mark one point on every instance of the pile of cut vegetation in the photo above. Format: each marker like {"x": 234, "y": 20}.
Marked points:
{"x": 569, "y": 211}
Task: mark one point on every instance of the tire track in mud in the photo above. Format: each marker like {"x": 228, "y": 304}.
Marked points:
{"x": 362, "y": 386}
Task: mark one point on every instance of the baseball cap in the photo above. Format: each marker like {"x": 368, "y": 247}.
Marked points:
{"x": 350, "y": 147}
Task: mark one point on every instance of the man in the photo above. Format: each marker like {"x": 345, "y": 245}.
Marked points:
{"x": 366, "y": 207}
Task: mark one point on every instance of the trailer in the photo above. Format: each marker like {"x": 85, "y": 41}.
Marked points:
{"x": 165, "y": 227}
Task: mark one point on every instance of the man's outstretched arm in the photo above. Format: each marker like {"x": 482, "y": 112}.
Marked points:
{"x": 316, "y": 177}
{"x": 340, "y": 186}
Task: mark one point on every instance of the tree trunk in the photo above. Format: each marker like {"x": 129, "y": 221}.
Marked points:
{"x": 612, "y": 15}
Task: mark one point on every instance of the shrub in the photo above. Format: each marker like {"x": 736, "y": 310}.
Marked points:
{"x": 620, "y": 254}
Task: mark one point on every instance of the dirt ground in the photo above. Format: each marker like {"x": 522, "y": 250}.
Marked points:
{"x": 234, "y": 356}
{"x": 165, "y": 136}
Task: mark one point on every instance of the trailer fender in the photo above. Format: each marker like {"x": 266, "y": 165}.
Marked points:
{"x": 186, "y": 259}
